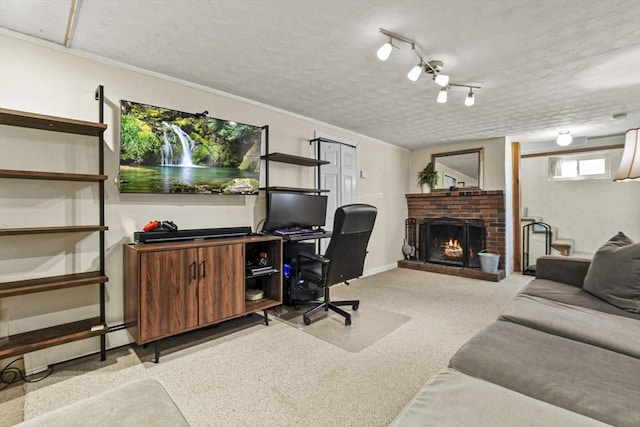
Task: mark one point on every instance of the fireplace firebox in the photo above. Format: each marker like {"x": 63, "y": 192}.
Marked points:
{"x": 452, "y": 241}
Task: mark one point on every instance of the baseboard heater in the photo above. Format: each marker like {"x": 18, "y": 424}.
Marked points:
{"x": 193, "y": 234}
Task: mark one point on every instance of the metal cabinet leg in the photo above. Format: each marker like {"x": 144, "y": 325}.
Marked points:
{"x": 266, "y": 317}
{"x": 156, "y": 352}
{"x": 103, "y": 348}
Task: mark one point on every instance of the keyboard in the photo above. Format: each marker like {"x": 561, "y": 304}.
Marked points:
{"x": 297, "y": 232}
{"x": 290, "y": 231}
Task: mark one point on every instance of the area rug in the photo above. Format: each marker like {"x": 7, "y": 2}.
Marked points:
{"x": 368, "y": 325}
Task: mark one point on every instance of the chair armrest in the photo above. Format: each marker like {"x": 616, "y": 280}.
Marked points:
{"x": 314, "y": 257}
{"x": 311, "y": 271}
{"x": 571, "y": 271}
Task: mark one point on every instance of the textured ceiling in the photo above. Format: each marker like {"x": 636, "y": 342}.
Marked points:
{"x": 544, "y": 65}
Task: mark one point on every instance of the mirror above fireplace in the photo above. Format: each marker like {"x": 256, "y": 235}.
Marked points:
{"x": 460, "y": 169}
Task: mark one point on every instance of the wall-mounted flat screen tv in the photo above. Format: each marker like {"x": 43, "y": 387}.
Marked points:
{"x": 169, "y": 151}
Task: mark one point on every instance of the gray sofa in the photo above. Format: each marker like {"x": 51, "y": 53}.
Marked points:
{"x": 556, "y": 356}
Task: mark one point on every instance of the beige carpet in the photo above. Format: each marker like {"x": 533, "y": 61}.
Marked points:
{"x": 244, "y": 373}
{"x": 369, "y": 325}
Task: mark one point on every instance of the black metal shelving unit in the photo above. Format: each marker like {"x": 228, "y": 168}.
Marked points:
{"x": 296, "y": 160}
{"x": 291, "y": 159}
{"x": 54, "y": 335}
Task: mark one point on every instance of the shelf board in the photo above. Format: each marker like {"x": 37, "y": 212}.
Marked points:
{"x": 51, "y": 123}
{"x": 27, "y": 342}
{"x": 22, "y": 287}
{"x": 52, "y": 176}
{"x": 50, "y": 230}
{"x": 296, "y": 189}
{"x": 294, "y": 160}
{"x": 261, "y": 304}
{"x": 264, "y": 273}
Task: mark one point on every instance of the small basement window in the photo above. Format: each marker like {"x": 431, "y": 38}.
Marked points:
{"x": 578, "y": 167}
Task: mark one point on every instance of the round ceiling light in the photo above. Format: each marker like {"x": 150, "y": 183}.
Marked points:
{"x": 564, "y": 138}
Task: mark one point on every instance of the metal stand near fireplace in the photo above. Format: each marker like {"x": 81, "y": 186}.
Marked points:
{"x": 452, "y": 241}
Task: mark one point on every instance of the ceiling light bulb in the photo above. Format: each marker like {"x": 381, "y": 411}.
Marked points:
{"x": 564, "y": 138}
{"x": 441, "y": 79}
{"x": 442, "y": 96}
{"x": 415, "y": 72}
{"x": 385, "y": 51}
{"x": 469, "y": 100}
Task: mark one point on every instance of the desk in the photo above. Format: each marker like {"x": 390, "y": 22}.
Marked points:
{"x": 292, "y": 246}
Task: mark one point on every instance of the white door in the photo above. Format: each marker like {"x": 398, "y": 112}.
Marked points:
{"x": 340, "y": 176}
{"x": 348, "y": 175}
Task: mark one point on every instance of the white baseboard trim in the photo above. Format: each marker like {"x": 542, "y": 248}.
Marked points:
{"x": 381, "y": 269}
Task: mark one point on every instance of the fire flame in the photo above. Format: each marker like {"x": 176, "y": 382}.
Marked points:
{"x": 453, "y": 249}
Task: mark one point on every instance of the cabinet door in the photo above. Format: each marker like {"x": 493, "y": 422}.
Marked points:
{"x": 168, "y": 293}
{"x": 221, "y": 282}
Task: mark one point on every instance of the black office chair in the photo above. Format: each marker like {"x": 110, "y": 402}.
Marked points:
{"x": 343, "y": 259}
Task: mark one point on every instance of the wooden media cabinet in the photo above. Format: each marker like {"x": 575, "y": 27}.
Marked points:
{"x": 175, "y": 287}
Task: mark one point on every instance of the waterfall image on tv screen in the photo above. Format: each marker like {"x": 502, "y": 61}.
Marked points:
{"x": 169, "y": 151}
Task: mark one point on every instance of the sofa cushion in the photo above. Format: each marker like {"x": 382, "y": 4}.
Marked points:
{"x": 576, "y": 376}
{"x": 138, "y": 403}
{"x": 452, "y": 398}
{"x": 569, "y": 270}
{"x": 616, "y": 333}
{"x": 614, "y": 273}
{"x": 568, "y": 294}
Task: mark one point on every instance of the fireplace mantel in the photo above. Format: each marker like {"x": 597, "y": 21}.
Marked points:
{"x": 489, "y": 206}
{"x": 456, "y": 193}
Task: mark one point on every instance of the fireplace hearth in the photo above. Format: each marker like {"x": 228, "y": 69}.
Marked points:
{"x": 452, "y": 241}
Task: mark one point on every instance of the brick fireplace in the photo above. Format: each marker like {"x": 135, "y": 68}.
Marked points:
{"x": 481, "y": 209}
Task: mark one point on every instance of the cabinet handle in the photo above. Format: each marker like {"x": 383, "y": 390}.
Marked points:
{"x": 194, "y": 270}
{"x": 204, "y": 270}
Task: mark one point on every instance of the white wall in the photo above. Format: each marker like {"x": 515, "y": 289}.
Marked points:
{"x": 588, "y": 211}
{"x": 46, "y": 79}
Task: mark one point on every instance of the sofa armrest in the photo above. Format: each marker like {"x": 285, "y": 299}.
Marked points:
{"x": 571, "y": 271}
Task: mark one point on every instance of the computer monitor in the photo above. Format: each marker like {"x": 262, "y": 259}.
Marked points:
{"x": 288, "y": 210}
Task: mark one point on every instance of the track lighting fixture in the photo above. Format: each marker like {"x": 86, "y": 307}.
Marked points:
{"x": 434, "y": 67}
{"x": 441, "y": 79}
{"x": 415, "y": 72}
{"x": 442, "y": 96}
{"x": 470, "y": 99}
{"x": 564, "y": 138}
{"x": 430, "y": 67}
{"x": 385, "y": 51}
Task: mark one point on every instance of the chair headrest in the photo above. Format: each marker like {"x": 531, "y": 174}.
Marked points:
{"x": 355, "y": 218}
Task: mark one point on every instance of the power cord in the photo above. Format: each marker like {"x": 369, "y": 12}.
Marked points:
{"x": 10, "y": 374}
{"x": 261, "y": 223}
